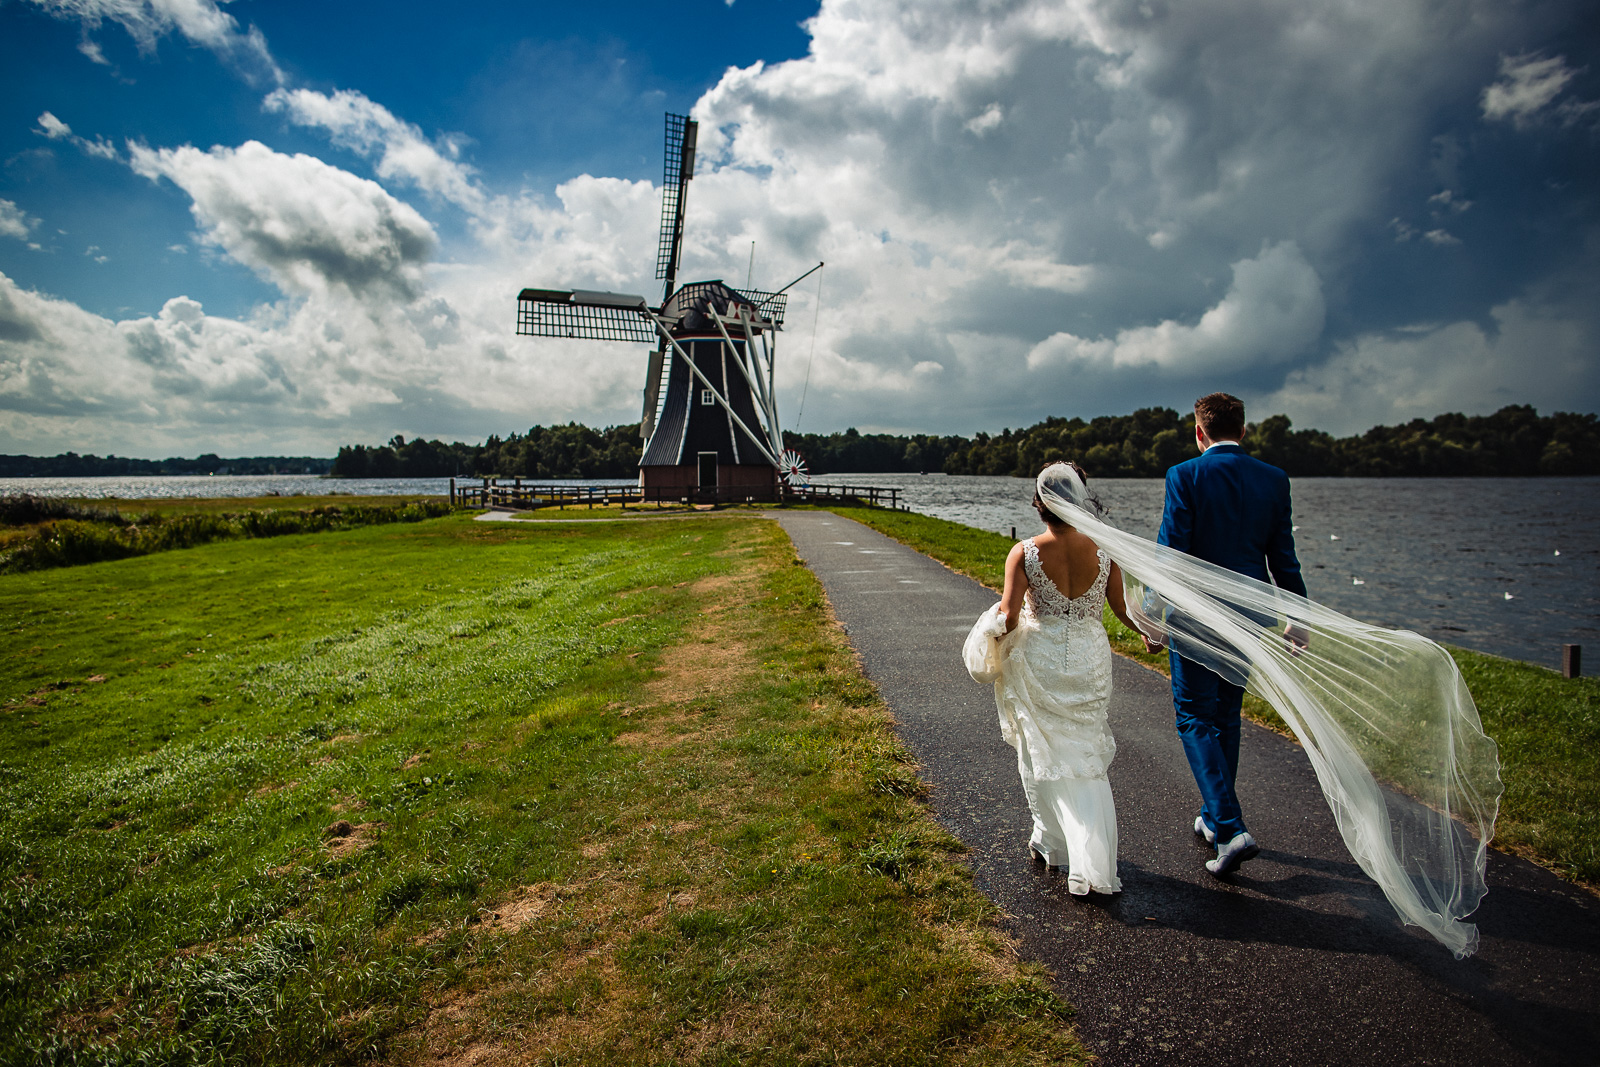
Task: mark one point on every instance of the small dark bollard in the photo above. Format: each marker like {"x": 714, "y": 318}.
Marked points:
{"x": 1013, "y": 533}
{"x": 1572, "y": 661}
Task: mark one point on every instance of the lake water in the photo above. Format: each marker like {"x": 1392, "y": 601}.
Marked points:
{"x": 1435, "y": 555}
{"x": 168, "y": 487}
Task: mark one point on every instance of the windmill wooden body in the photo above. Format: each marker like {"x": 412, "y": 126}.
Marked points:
{"x": 710, "y": 418}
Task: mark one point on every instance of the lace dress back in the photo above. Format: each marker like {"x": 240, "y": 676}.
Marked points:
{"x": 1045, "y": 599}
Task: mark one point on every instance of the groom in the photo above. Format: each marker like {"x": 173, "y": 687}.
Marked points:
{"x": 1230, "y": 509}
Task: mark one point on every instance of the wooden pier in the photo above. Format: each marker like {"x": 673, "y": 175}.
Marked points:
{"x": 518, "y": 494}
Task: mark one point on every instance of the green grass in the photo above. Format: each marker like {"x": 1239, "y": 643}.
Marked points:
{"x": 611, "y": 794}
{"x": 616, "y": 511}
{"x": 1548, "y": 730}
{"x": 172, "y": 506}
{"x": 1547, "y": 727}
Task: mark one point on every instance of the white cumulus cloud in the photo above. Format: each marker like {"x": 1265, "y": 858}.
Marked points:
{"x": 56, "y": 130}
{"x": 53, "y": 127}
{"x": 14, "y": 222}
{"x": 353, "y": 121}
{"x": 1272, "y": 313}
{"x": 201, "y": 22}
{"x": 305, "y": 225}
{"x": 1526, "y": 86}
{"x": 1536, "y": 353}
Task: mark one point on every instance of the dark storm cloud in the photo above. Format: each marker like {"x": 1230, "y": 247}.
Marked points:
{"x": 1405, "y": 163}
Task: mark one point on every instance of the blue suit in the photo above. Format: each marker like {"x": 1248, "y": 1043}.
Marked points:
{"x": 1231, "y": 509}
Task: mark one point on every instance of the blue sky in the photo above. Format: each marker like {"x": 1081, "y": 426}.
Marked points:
{"x": 265, "y": 228}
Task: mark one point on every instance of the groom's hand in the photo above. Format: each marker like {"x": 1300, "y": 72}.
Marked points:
{"x": 1152, "y": 646}
{"x": 1297, "y": 637}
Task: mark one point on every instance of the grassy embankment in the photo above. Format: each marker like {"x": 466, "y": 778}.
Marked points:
{"x": 39, "y": 533}
{"x": 610, "y": 793}
{"x": 1547, "y": 727}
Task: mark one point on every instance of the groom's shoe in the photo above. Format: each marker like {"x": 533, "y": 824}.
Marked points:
{"x": 1229, "y": 856}
{"x": 1202, "y": 830}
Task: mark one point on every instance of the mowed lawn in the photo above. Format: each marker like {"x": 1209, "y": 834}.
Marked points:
{"x": 471, "y": 792}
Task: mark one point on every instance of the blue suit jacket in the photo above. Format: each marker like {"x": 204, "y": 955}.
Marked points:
{"x": 1231, "y": 509}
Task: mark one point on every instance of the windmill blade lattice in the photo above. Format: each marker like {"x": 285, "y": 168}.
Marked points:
{"x": 583, "y": 314}
{"x": 678, "y": 169}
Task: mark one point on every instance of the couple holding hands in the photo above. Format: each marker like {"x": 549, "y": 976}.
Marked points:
{"x": 1383, "y": 715}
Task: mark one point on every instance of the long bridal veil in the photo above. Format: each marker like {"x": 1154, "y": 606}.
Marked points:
{"x": 1384, "y": 715}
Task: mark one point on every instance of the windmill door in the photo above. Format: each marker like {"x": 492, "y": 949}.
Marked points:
{"x": 708, "y": 469}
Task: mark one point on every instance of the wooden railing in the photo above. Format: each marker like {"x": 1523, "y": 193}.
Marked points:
{"x": 516, "y": 494}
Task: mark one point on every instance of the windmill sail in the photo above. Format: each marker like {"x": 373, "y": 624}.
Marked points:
{"x": 682, "y": 133}
{"x": 583, "y": 313}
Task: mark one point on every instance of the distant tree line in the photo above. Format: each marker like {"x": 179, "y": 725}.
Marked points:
{"x": 853, "y": 451}
{"x": 1514, "y": 441}
{"x": 570, "y": 451}
{"x": 72, "y": 465}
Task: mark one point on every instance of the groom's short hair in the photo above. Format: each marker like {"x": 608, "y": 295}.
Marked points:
{"x": 1221, "y": 416}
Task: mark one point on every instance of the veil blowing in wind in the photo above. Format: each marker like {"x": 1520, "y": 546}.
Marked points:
{"x": 1384, "y": 715}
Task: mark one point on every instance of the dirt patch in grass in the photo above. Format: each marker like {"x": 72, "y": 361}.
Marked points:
{"x": 93, "y": 1022}
{"x": 715, "y": 659}
{"x": 523, "y": 906}
{"x": 344, "y": 839}
{"x": 691, "y": 677}
{"x": 568, "y": 998}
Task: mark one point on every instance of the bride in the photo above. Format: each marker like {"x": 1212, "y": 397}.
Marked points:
{"x": 1383, "y": 716}
{"x": 1053, "y": 691}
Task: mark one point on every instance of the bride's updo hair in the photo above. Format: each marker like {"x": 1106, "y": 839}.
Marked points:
{"x": 1050, "y": 518}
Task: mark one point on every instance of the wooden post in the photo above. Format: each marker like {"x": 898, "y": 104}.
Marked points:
{"x": 452, "y": 492}
{"x": 1572, "y": 661}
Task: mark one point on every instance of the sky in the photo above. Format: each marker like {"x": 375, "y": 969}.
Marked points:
{"x": 258, "y": 228}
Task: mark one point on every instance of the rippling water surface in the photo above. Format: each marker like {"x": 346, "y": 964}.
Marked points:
{"x": 174, "y": 486}
{"x": 1434, "y": 555}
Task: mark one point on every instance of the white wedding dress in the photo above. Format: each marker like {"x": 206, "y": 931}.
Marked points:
{"x": 1367, "y": 705}
{"x": 1053, "y": 692}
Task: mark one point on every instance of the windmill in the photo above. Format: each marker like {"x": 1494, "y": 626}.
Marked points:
{"x": 710, "y": 421}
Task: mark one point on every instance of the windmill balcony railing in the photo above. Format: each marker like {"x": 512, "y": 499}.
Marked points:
{"x": 518, "y": 494}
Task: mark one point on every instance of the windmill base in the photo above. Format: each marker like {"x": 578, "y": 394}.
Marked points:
{"x": 735, "y": 482}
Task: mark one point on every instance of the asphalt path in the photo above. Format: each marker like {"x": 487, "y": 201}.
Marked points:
{"x": 1297, "y": 959}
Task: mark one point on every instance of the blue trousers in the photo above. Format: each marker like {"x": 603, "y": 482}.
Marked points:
{"x": 1208, "y": 722}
